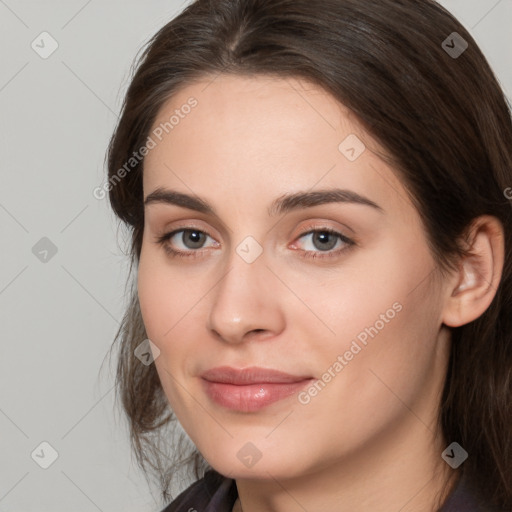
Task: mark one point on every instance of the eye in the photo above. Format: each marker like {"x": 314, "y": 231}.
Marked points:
{"x": 188, "y": 242}
{"x": 324, "y": 240}
{"x": 184, "y": 242}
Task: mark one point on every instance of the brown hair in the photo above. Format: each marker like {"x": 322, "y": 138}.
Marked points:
{"x": 446, "y": 127}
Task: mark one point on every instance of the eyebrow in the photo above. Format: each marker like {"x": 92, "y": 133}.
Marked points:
{"x": 283, "y": 204}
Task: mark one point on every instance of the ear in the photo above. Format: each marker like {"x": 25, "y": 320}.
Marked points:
{"x": 474, "y": 286}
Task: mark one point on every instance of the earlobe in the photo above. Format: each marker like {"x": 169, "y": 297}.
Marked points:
{"x": 479, "y": 273}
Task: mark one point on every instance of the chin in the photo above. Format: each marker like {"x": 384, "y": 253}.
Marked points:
{"x": 248, "y": 462}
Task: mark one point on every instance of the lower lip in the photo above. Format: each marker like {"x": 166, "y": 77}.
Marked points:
{"x": 251, "y": 397}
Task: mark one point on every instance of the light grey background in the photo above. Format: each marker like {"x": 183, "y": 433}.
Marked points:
{"x": 59, "y": 317}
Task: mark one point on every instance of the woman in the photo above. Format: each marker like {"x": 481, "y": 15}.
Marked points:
{"x": 316, "y": 193}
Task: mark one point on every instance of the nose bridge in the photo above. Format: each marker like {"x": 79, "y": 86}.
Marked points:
{"x": 245, "y": 300}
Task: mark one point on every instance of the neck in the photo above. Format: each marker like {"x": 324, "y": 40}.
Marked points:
{"x": 402, "y": 471}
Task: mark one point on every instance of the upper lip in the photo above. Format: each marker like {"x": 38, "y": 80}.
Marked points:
{"x": 250, "y": 375}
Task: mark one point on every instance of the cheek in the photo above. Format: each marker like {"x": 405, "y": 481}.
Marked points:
{"x": 382, "y": 319}
{"x": 171, "y": 309}
{"x": 150, "y": 294}
{"x": 162, "y": 307}
{"x": 159, "y": 298}
{"x": 363, "y": 386}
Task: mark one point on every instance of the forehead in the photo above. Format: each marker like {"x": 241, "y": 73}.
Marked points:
{"x": 261, "y": 132}
{"x": 255, "y": 112}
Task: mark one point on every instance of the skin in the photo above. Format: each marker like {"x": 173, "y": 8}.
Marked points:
{"x": 369, "y": 439}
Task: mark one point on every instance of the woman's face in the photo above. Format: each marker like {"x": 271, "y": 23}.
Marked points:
{"x": 285, "y": 272}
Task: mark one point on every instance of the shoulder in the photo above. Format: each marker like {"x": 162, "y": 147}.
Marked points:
{"x": 217, "y": 493}
{"x": 213, "y": 492}
{"x": 464, "y": 498}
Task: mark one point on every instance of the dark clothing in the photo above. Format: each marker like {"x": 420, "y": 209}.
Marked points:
{"x": 216, "y": 493}
{"x": 213, "y": 493}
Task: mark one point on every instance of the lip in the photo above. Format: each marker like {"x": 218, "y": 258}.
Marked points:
{"x": 250, "y": 389}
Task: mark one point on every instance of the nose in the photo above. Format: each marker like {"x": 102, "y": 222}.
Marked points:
{"x": 246, "y": 303}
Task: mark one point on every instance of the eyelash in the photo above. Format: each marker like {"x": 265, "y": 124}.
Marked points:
{"x": 350, "y": 244}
